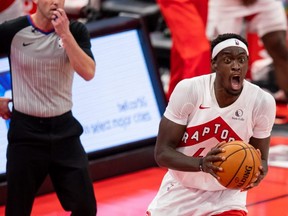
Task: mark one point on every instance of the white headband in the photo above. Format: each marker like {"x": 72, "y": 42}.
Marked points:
{"x": 228, "y": 43}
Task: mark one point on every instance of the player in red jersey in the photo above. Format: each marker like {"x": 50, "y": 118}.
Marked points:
{"x": 190, "y": 52}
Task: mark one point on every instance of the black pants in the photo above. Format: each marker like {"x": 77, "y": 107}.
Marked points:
{"x": 47, "y": 146}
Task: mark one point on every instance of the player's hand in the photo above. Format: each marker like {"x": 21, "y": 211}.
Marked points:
{"x": 212, "y": 157}
{"x": 5, "y": 113}
{"x": 259, "y": 176}
{"x": 60, "y": 22}
{"x": 248, "y": 2}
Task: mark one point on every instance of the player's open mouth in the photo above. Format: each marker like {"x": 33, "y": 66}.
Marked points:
{"x": 236, "y": 82}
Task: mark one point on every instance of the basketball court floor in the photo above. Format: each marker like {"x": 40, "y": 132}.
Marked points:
{"x": 129, "y": 195}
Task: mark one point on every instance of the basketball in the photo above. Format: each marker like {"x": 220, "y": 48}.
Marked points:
{"x": 241, "y": 164}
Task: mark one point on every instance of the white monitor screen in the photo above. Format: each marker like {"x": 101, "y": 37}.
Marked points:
{"x": 121, "y": 106}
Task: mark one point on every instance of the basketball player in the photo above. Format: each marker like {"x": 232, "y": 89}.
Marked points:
{"x": 190, "y": 51}
{"x": 267, "y": 18}
{"x": 45, "y": 49}
{"x": 202, "y": 112}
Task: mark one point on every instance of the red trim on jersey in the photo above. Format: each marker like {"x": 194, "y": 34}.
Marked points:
{"x": 217, "y": 128}
{"x": 250, "y": 17}
{"x": 5, "y": 4}
{"x": 232, "y": 213}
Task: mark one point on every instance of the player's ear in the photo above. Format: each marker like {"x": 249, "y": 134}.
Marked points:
{"x": 213, "y": 65}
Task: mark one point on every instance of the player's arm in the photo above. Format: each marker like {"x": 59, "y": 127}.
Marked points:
{"x": 166, "y": 155}
{"x": 263, "y": 117}
{"x": 5, "y": 113}
{"x": 263, "y": 146}
{"x": 83, "y": 64}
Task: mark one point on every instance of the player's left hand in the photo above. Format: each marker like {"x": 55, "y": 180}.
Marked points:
{"x": 259, "y": 176}
{"x": 60, "y": 22}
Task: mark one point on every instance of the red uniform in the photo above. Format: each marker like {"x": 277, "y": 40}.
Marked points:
{"x": 5, "y": 4}
{"x": 10, "y": 9}
{"x": 190, "y": 53}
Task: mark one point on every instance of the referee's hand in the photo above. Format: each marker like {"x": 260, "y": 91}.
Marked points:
{"x": 5, "y": 112}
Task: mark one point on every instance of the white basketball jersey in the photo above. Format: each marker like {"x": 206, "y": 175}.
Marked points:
{"x": 228, "y": 16}
{"x": 193, "y": 103}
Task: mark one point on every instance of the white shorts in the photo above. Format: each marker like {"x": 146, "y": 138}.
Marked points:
{"x": 173, "y": 199}
{"x": 264, "y": 16}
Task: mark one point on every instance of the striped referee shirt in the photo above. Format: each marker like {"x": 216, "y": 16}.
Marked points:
{"x": 41, "y": 73}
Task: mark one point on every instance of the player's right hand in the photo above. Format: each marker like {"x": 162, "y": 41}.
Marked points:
{"x": 210, "y": 158}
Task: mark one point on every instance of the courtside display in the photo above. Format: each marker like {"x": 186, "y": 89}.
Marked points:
{"x": 121, "y": 107}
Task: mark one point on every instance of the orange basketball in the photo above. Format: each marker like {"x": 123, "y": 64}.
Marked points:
{"x": 241, "y": 164}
